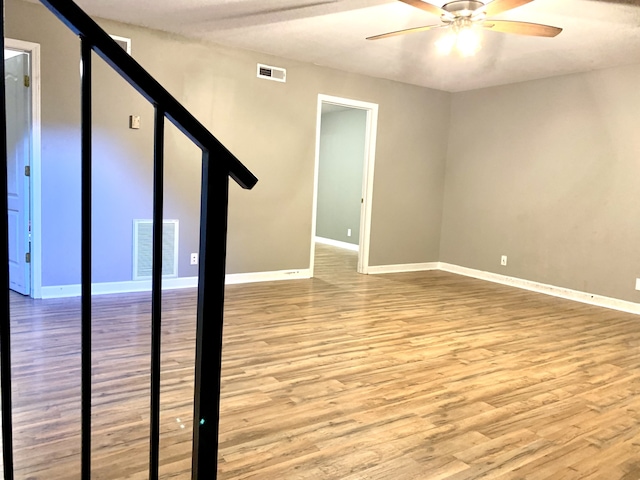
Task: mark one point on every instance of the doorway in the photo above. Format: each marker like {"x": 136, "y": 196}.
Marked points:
{"x": 22, "y": 96}
{"x": 343, "y": 181}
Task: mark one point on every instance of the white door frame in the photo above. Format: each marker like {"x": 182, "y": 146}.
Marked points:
{"x": 367, "y": 176}
{"x": 36, "y": 173}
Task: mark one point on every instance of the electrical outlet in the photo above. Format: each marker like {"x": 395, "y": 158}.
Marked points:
{"x": 348, "y": 232}
{"x": 194, "y": 259}
{"x": 637, "y": 283}
{"x": 503, "y": 260}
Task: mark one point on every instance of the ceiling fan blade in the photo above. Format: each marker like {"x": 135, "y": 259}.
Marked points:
{"x": 522, "y": 28}
{"x": 407, "y": 30}
{"x": 499, "y": 6}
{"x": 427, "y": 7}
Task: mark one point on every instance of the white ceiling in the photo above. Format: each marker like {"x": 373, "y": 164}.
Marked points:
{"x": 597, "y": 34}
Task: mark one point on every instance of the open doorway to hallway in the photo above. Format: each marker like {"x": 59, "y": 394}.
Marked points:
{"x": 345, "y": 158}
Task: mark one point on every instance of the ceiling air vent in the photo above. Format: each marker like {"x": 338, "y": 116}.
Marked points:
{"x": 272, "y": 73}
{"x": 125, "y": 43}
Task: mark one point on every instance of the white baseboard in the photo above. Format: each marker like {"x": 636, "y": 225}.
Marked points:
{"x": 561, "y": 292}
{"x": 235, "y": 278}
{"x": 134, "y": 286}
{"x": 338, "y": 243}
{"x": 407, "y": 267}
{"x": 566, "y": 293}
{"x": 110, "y": 288}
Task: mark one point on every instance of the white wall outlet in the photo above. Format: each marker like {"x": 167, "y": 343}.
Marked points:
{"x": 637, "y": 283}
{"x": 348, "y": 232}
{"x": 194, "y": 259}
{"x": 503, "y": 260}
{"x": 134, "y": 122}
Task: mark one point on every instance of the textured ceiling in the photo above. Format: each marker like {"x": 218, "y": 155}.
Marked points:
{"x": 597, "y": 34}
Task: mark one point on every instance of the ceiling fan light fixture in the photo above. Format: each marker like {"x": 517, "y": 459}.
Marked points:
{"x": 446, "y": 43}
{"x": 468, "y": 42}
{"x": 465, "y": 18}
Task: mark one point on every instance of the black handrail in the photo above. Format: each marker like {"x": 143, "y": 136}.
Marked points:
{"x": 218, "y": 164}
{"x": 112, "y": 53}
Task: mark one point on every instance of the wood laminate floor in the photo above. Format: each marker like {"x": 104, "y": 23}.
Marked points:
{"x": 423, "y": 375}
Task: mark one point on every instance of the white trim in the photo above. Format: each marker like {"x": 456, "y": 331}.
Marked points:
{"x": 337, "y": 243}
{"x": 367, "y": 176}
{"x": 566, "y": 293}
{"x": 36, "y": 162}
{"x": 316, "y": 170}
{"x": 367, "y": 187}
{"x": 561, "y": 292}
{"x": 238, "y": 278}
{"x": 403, "y": 268}
{"x": 125, "y": 40}
{"x": 235, "y": 278}
{"x": 135, "y": 286}
{"x": 110, "y": 288}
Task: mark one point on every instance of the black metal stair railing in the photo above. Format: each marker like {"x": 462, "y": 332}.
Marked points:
{"x": 218, "y": 164}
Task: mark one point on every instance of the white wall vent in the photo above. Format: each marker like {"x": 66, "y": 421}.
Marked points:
{"x": 143, "y": 249}
{"x": 272, "y": 73}
{"x": 125, "y": 43}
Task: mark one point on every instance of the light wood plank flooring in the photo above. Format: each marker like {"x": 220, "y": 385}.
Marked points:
{"x": 403, "y": 376}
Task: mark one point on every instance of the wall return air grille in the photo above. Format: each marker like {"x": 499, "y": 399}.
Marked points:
{"x": 143, "y": 249}
{"x": 272, "y": 73}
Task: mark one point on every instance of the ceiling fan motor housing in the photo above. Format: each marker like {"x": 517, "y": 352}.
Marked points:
{"x": 462, "y": 8}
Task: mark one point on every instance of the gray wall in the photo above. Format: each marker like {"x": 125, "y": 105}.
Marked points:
{"x": 270, "y": 126}
{"x": 544, "y": 172}
{"x": 342, "y": 142}
{"x": 547, "y": 172}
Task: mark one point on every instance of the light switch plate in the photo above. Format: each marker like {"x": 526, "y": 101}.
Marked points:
{"x": 134, "y": 122}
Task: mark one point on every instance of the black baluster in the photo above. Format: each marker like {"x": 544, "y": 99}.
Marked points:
{"x": 156, "y": 295}
{"x": 86, "y": 255}
{"x": 213, "y": 241}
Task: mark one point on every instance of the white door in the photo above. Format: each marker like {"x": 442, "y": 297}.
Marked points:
{"x": 18, "y": 123}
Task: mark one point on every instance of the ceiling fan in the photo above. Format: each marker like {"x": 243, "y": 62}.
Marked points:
{"x": 462, "y": 16}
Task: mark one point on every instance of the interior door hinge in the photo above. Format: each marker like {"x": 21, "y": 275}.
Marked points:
{"x": 27, "y": 257}
{"x": 27, "y": 81}
{"x": 27, "y": 171}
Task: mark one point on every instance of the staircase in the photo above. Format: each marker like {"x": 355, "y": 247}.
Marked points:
{"x": 218, "y": 164}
